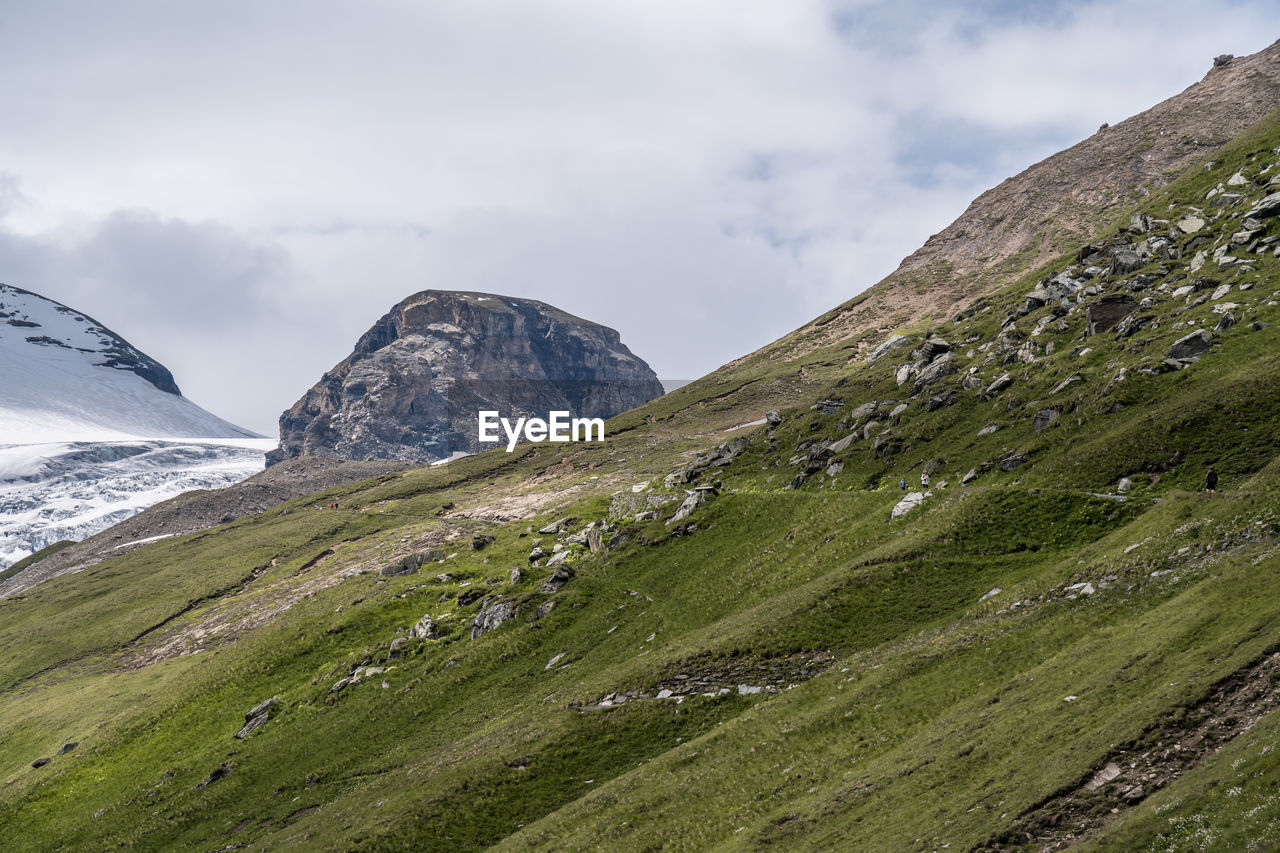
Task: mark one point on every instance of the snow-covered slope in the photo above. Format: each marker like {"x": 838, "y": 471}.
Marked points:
{"x": 93, "y": 430}
{"x": 66, "y": 377}
{"x": 71, "y": 490}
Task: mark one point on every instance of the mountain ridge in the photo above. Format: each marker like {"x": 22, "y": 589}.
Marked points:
{"x": 731, "y": 627}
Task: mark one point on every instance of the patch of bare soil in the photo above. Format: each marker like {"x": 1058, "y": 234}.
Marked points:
{"x": 1159, "y": 757}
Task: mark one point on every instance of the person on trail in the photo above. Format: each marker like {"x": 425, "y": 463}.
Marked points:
{"x": 1211, "y": 480}
{"x": 902, "y": 484}
{"x": 924, "y": 480}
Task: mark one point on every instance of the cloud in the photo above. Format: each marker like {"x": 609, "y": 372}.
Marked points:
{"x": 242, "y": 189}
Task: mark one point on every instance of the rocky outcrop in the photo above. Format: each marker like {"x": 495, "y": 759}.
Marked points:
{"x": 412, "y": 388}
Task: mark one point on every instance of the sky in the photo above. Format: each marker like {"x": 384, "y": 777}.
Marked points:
{"x": 240, "y": 189}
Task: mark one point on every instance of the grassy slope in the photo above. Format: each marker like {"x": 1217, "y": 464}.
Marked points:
{"x": 937, "y": 720}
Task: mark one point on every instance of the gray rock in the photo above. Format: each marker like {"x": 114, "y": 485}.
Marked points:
{"x": 543, "y": 609}
{"x": 828, "y": 406}
{"x": 904, "y": 373}
{"x": 595, "y": 540}
{"x": 909, "y": 502}
{"x": 537, "y": 553}
{"x": 516, "y": 577}
{"x": 1190, "y": 224}
{"x": 1258, "y": 326}
{"x": 862, "y": 412}
{"x": 491, "y": 616}
{"x": 1228, "y": 320}
{"x": 557, "y": 558}
{"x": 687, "y": 507}
{"x": 1229, "y": 200}
{"x": 1124, "y": 485}
{"x": 1045, "y": 417}
{"x": 869, "y": 429}
{"x": 561, "y": 576}
{"x": 426, "y": 628}
{"x": 69, "y": 747}
{"x": 397, "y": 647}
{"x": 410, "y": 389}
{"x": 970, "y": 477}
{"x": 773, "y": 418}
{"x": 834, "y": 468}
{"x": 942, "y": 366}
{"x": 999, "y": 384}
{"x": 1063, "y": 385}
{"x": 940, "y": 401}
{"x": 1269, "y": 206}
{"x": 892, "y": 344}
{"x": 480, "y": 541}
{"x": 1010, "y": 461}
{"x": 1107, "y": 312}
{"x": 1125, "y": 261}
{"x": 41, "y": 762}
{"x": 843, "y": 444}
{"x": 1191, "y": 346}
{"x": 619, "y": 539}
{"x": 988, "y": 429}
{"x": 410, "y": 564}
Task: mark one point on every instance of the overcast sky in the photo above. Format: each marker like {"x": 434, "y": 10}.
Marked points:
{"x": 240, "y": 189}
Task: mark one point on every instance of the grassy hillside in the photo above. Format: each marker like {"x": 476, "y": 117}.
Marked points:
{"x": 1029, "y": 657}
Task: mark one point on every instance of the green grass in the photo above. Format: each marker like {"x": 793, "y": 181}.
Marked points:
{"x": 948, "y": 640}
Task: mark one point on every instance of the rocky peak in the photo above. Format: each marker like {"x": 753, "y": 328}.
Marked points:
{"x": 416, "y": 380}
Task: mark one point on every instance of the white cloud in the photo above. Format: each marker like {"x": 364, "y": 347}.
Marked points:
{"x": 242, "y": 188}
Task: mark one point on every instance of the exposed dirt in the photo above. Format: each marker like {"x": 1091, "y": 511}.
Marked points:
{"x": 1159, "y": 757}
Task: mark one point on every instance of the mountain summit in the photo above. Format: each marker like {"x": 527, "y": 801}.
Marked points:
{"x": 416, "y": 380}
{"x": 67, "y": 377}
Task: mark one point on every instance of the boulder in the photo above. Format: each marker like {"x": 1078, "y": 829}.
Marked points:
{"x": 1107, "y": 312}
{"x": 999, "y": 384}
{"x": 561, "y": 576}
{"x": 1045, "y": 417}
{"x": 425, "y": 629}
{"x": 595, "y": 540}
{"x": 1125, "y": 261}
{"x": 843, "y": 444}
{"x": 257, "y": 716}
{"x": 772, "y": 417}
{"x": 908, "y": 503}
{"x": 686, "y": 508}
{"x": 893, "y": 343}
{"x": 862, "y": 412}
{"x": 1191, "y": 346}
{"x": 1190, "y": 224}
{"x": 942, "y": 366}
{"x": 1269, "y": 206}
{"x": 515, "y": 577}
{"x": 491, "y": 616}
{"x": 970, "y": 477}
{"x": 1228, "y": 320}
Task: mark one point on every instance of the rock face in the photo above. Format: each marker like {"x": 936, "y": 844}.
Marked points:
{"x": 412, "y": 388}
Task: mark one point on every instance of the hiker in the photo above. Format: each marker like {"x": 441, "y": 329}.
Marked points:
{"x": 1211, "y": 480}
{"x": 902, "y": 484}
{"x": 924, "y": 480}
